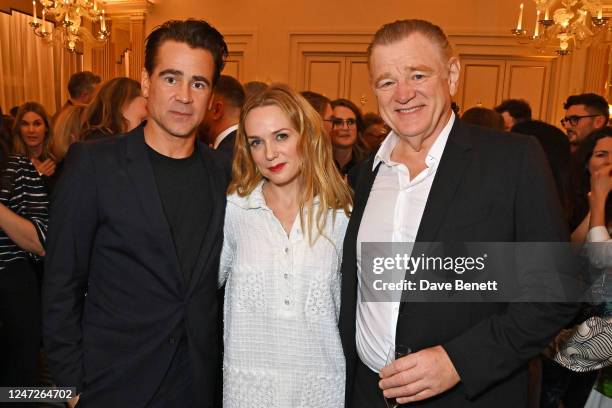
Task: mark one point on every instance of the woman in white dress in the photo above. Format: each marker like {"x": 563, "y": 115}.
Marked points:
{"x": 286, "y": 216}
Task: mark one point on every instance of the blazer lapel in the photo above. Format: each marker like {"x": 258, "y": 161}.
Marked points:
{"x": 361, "y": 186}
{"x": 455, "y": 158}
{"x": 214, "y": 234}
{"x": 140, "y": 171}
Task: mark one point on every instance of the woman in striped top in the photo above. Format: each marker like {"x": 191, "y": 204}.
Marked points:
{"x": 23, "y": 226}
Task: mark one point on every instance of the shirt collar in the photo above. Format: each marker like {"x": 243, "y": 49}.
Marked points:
{"x": 224, "y": 134}
{"x": 256, "y": 198}
{"x": 435, "y": 152}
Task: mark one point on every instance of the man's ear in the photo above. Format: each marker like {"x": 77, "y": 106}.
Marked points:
{"x": 600, "y": 121}
{"x": 217, "y": 109}
{"x": 145, "y": 83}
{"x": 454, "y": 69}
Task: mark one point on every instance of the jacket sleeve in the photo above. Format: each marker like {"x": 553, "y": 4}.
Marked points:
{"x": 72, "y": 228}
{"x": 499, "y": 345}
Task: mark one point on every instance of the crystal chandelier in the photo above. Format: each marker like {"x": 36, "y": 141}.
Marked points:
{"x": 566, "y": 28}
{"x": 69, "y": 16}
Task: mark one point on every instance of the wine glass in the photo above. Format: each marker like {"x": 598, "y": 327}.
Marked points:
{"x": 395, "y": 351}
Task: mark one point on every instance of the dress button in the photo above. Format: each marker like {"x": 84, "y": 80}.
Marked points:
{"x": 287, "y": 302}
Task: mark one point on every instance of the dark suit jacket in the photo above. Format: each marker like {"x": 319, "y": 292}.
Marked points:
{"x": 227, "y": 144}
{"x": 109, "y": 237}
{"x": 489, "y": 187}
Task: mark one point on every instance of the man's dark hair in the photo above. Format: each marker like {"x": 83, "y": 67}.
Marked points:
{"x": 595, "y": 104}
{"x": 519, "y": 109}
{"x": 13, "y": 111}
{"x": 194, "y": 33}
{"x": 484, "y": 117}
{"x": 317, "y": 101}
{"x": 82, "y": 82}
{"x": 372, "y": 118}
{"x": 231, "y": 90}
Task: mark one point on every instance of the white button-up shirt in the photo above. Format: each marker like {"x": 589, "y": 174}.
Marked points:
{"x": 393, "y": 214}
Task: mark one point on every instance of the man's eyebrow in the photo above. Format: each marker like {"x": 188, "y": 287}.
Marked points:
{"x": 171, "y": 72}
{"x": 381, "y": 76}
{"x": 177, "y": 72}
{"x": 408, "y": 69}
{"x": 422, "y": 68}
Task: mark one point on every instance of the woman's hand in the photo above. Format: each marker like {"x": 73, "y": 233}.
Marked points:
{"x": 44, "y": 168}
{"x": 601, "y": 184}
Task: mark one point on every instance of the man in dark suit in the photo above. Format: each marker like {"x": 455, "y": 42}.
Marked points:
{"x": 436, "y": 179}
{"x": 220, "y": 123}
{"x": 82, "y": 87}
{"x": 130, "y": 298}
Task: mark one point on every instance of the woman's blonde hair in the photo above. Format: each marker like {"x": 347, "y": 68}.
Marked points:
{"x": 66, "y": 130}
{"x": 19, "y": 146}
{"x": 319, "y": 175}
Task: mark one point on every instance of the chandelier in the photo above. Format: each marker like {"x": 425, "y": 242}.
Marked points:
{"x": 565, "y": 28}
{"x": 69, "y": 16}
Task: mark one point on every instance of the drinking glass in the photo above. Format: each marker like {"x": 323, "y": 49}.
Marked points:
{"x": 395, "y": 351}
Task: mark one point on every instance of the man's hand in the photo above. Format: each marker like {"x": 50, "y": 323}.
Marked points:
{"x": 418, "y": 376}
{"x": 73, "y": 401}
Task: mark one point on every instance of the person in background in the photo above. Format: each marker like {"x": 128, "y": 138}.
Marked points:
{"x": 322, "y": 105}
{"x": 5, "y": 129}
{"x": 585, "y": 348}
{"x": 66, "y": 130}
{"x": 557, "y": 150}
{"x": 117, "y": 108}
{"x": 220, "y": 123}
{"x": 31, "y": 137}
{"x": 82, "y": 87}
{"x": 484, "y": 117}
{"x": 514, "y": 111}
{"x": 584, "y": 114}
{"x": 346, "y": 134}
{"x": 23, "y": 229}
{"x": 591, "y": 159}
{"x": 285, "y": 221}
{"x": 13, "y": 111}
{"x": 375, "y": 131}
{"x": 600, "y": 200}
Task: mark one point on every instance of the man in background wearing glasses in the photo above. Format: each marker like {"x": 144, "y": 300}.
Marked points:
{"x": 584, "y": 113}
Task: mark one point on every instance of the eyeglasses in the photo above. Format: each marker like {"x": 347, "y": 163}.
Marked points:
{"x": 574, "y": 119}
{"x": 338, "y": 123}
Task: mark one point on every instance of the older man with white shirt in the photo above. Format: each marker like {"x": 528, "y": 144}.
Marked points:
{"x": 437, "y": 179}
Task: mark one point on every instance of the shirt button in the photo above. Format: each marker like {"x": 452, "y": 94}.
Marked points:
{"x": 287, "y": 302}
{"x": 172, "y": 340}
{"x": 286, "y": 276}
{"x": 286, "y": 250}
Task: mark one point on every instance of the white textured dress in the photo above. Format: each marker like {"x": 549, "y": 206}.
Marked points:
{"x": 282, "y": 300}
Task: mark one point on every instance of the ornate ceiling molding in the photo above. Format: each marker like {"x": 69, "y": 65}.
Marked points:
{"x": 127, "y": 8}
